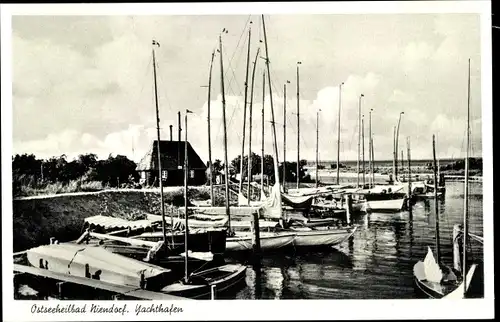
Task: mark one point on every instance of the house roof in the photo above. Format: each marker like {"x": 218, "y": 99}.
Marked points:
{"x": 172, "y": 155}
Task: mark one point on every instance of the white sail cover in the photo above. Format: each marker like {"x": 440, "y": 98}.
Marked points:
{"x": 433, "y": 272}
{"x": 271, "y": 207}
{"x": 242, "y": 201}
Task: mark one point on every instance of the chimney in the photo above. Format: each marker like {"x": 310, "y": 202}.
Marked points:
{"x": 170, "y": 132}
{"x": 179, "y": 122}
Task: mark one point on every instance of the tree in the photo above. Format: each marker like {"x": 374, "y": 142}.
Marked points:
{"x": 256, "y": 160}
{"x": 217, "y": 166}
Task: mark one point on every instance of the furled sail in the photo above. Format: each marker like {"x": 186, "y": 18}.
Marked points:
{"x": 271, "y": 206}
{"x": 297, "y": 201}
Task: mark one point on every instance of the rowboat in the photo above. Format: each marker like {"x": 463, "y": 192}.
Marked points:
{"x": 322, "y": 236}
{"x": 392, "y": 205}
{"x": 242, "y": 241}
{"x": 439, "y": 281}
{"x": 200, "y": 284}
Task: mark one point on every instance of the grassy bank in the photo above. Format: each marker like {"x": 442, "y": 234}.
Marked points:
{"x": 37, "y": 218}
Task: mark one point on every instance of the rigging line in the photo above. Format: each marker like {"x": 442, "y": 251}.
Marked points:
{"x": 163, "y": 88}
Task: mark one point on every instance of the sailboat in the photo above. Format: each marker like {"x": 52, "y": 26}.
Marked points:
{"x": 431, "y": 277}
{"x": 241, "y": 241}
{"x": 199, "y": 284}
{"x": 305, "y": 236}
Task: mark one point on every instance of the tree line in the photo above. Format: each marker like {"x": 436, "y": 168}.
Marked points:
{"x": 29, "y": 172}
{"x": 87, "y": 173}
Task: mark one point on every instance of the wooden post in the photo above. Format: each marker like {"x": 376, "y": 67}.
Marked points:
{"x": 456, "y": 247}
{"x": 212, "y": 292}
{"x": 256, "y": 233}
{"x": 52, "y": 239}
{"x": 348, "y": 208}
{"x": 60, "y": 288}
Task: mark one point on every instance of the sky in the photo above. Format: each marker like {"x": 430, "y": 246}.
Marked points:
{"x": 84, "y": 84}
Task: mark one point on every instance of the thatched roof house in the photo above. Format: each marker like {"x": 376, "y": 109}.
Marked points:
{"x": 172, "y": 162}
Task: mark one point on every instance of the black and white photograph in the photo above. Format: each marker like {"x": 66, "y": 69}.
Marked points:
{"x": 263, "y": 153}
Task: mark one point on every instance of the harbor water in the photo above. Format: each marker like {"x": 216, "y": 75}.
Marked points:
{"x": 377, "y": 262}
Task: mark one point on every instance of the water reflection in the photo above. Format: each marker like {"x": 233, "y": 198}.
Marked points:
{"x": 377, "y": 262}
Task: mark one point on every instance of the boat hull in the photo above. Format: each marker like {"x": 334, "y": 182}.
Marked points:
{"x": 392, "y": 205}
{"x": 268, "y": 241}
{"x": 223, "y": 278}
{"x": 330, "y": 237}
{"x": 202, "y": 240}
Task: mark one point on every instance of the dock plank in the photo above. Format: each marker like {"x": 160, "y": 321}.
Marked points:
{"x": 119, "y": 289}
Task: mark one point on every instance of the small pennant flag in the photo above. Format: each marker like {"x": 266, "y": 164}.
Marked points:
{"x": 288, "y": 82}
{"x": 156, "y": 43}
{"x": 188, "y": 111}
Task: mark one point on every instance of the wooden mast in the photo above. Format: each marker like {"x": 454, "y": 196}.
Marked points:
{"x": 298, "y": 127}
{"x": 245, "y": 113}
{"x": 284, "y": 136}
{"x": 163, "y": 228}
{"x": 249, "y": 163}
{"x": 275, "y": 158}
{"x": 226, "y": 167}
{"x": 209, "y": 134}
{"x": 466, "y": 191}
{"x": 186, "y": 170}
{"x": 338, "y": 135}
{"x": 373, "y": 162}
{"x": 394, "y": 155}
{"x": 408, "y": 156}
{"x": 359, "y": 138}
{"x": 317, "y": 145}
{"x": 436, "y": 201}
{"x": 370, "y": 147}
{"x": 363, "y": 145}
{"x": 262, "y": 136}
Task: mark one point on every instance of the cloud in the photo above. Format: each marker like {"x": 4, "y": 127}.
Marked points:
{"x": 97, "y": 94}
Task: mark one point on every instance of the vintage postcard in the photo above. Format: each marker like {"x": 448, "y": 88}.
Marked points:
{"x": 194, "y": 161}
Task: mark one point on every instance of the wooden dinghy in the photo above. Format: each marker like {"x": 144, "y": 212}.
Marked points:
{"x": 438, "y": 281}
{"x": 321, "y": 236}
{"x": 200, "y": 239}
{"x": 242, "y": 241}
{"x": 199, "y": 284}
{"x": 94, "y": 262}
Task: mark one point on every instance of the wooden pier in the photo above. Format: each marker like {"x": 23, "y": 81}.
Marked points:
{"x": 119, "y": 290}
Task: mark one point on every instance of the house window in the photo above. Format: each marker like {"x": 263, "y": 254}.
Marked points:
{"x": 164, "y": 174}
{"x": 191, "y": 174}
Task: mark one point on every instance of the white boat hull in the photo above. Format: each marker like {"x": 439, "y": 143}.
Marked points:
{"x": 329, "y": 237}
{"x": 268, "y": 241}
{"x": 384, "y": 205}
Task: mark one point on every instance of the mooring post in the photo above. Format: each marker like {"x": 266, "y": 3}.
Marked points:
{"x": 212, "y": 292}
{"x": 52, "y": 239}
{"x": 60, "y": 287}
{"x": 256, "y": 233}
{"x": 348, "y": 208}
{"x": 456, "y": 247}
